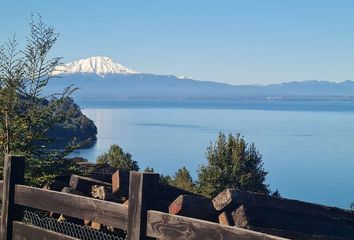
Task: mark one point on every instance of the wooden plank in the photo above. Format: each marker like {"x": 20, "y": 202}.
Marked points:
{"x": 56, "y": 186}
{"x": 120, "y": 183}
{"x": 141, "y": 190}
{"x": 102, "y": 172}
{"x": 1, "y": 184}
{"x": 14, "y": 167}
{"x": 172, "y": 227}
{"x": 194, "y": 207}
{"x": 84, "y": 184}
{"x": 231, "y": 199}
{"x": 22, "y": 231}
{"x": 225, "y": 218}
{"x": 248, "y": 216}
{"x": 107, "y": 213}
{"x": 165, "y": 195}
{"x": 170, "y": 193}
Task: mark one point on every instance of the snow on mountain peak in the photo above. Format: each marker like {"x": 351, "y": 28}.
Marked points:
{"x": 99, "y": 65}
{"x": 184, "y": 77}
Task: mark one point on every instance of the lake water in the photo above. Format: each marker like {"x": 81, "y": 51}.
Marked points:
{"x": 307, "y": 148}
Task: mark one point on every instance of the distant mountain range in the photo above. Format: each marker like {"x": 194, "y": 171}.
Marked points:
{"x": 99, "y": 78}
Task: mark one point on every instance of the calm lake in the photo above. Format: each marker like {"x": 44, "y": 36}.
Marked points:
{"x": 307, "y": 147}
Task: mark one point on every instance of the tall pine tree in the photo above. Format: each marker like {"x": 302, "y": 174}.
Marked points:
{"x": 182, "y": 179}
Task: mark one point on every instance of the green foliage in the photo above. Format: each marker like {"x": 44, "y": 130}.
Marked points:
{"x": 26, "y": 115}
{"x": 74, "y": 125}
{"x": 231, "y": 162}
{"x": 117, "y": 158}
{"x": 43, "y": 170}
{"x": 149, "y": 170}
{"x": 182, "y": 179}
{"x": 165, "y": 179}
{"x": 276, "y": 194}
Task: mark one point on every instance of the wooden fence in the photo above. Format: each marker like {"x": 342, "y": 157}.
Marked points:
{"x": 136, "y": 218}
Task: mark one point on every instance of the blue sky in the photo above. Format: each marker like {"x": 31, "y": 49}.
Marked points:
{"x": 238, "y": 41}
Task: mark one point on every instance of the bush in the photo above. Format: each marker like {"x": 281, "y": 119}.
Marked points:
{"x": 117, "y": 158}
{"x": 231, "y": 162}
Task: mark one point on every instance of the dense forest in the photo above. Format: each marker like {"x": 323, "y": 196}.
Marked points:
{"x": 75, "y": 126}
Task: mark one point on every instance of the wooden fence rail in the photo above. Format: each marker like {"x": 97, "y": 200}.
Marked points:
{"x": 136, "y": 218}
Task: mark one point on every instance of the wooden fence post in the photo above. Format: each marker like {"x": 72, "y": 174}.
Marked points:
{"x": 13, "y": 173}
{"x": 142, "y": 188}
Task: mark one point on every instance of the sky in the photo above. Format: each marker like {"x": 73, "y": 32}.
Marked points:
{"x": 235, "y": 41}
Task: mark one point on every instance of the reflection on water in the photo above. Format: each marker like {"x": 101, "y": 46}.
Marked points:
{"x": 168, "y": 125}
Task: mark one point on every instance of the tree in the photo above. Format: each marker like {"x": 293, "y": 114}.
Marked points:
{"x": 165, "y": 179}
{"x": 24, "y": 119}
{"x": 117, "y": 158}
{"x": 182, "y": 179}
{"x": 149, "y": 170}
{"x": 276, "y": 194}
{"x": 231, "y": 162}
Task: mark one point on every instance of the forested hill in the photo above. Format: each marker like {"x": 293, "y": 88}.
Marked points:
{"x": 74, "y": 126}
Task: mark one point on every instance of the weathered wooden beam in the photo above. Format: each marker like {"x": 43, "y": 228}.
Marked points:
{"x": 194, "y": 207}
{"x": 84, "y": 184}
{"x": 167, "y": 226}
{"x": 70, "y": 191}
{"x": 55, "y": 186}
{"x": 22, "y": 231}
{"x": 102, "y": 172}
{"x": 120, "y": 183}
{"x": 225, "y": 218}
{"x": 65, "y": 178}
{"x": 165, "y": 195}
{"x": 107, "y": 213}
{"x": 142, "y": 189}
{"x": 230, "y": 199}
{"x": 1, "y": 184}
{"x": 247, "y": 216}
{"x": 170, "y": 193}
{"x": 14, "y": 167}
{"x": 62, "y": 217}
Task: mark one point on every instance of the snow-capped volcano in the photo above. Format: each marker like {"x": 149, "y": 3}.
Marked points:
{"x": 99, "y": 65}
